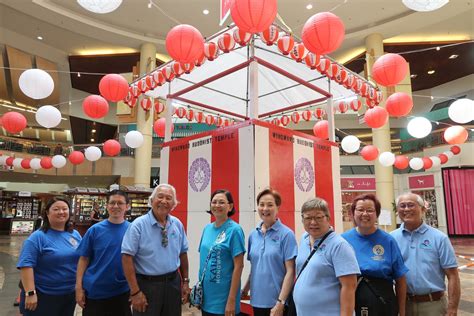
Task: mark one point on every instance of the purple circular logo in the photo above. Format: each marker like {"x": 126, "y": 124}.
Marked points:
{"x": 304, "y": 175}
{"x": 199, "y": 174}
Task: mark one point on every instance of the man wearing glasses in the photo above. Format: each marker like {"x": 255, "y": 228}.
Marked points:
{"x": 153, "y": 249}
{"x": 429, "y": 256}
{"x": 101, "y": 287}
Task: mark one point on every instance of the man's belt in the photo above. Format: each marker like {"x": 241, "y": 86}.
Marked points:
{"x": 159, "y": 278}
{"x": 432, "y": 297}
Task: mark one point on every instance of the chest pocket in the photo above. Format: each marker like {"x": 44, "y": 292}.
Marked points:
{"x": 428, "y": 254}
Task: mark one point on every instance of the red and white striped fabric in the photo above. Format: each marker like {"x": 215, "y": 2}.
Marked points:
{"x": 226, "y": 43}
{"x": 356, "y": 105}
{"x": 210, "y": 119}
{"x": 199, "y": 117}
{"x": 177, "y": 69}
{"x": 168, "y": 73}
{"x": 146, "y": 103}
{"x": 190, "y": 115}
{"x": 286, "y": 44}
{"x": 158, "y": 78}
{"x": 323, "y": 65}
{"x": 159, "y": 107}
{"x": 295, "y": 117}
{"x": 180, "y": 112}
{"x": 201, "y": 60}
{"x": 150, "y": 83}
{"x": 306, "y": 115}
{"x": 270, "y": 35}
{"x": 285, "y": 120}
{"x": 187, "y": 67}
{"x": 142, "y": 86}
{"x": 312, "y": 60}
{"x": 211, "y": 50}
{"x": 241, "y": 37}
{"x": 342, "y": 107}
{"x": 299, "y": 52}
{"x": 319, "y": 113}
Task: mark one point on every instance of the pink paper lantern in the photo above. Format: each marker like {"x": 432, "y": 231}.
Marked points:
{"x": 456, "y": 135}
{"x": 113, "y": 87}
{"x": 159, "y": 127}
{"x": 111, "y": 147}
{"x": 455, "y": 150}
{"x": 95, "y": 106}
{"x": 46, "y": 163}
{"x": 401, "y": 162}
{"x": 399, "y": 104}
{"x": 285, "y": 44}
{"x": 184, "y": 43}
{"x": 427, "y": 163}
{"x": 13, "y": 122}
{"x": 323, "y": 33}
{"x": 253, "y": 16}
{"x": 376, "y": 117}
{"x": 25, "y": 163}
{"x": 321, "y": 129}
{"x": 389, "y": 69}
{"x": 369, "y": 152}
{"x": 76, "y": 157}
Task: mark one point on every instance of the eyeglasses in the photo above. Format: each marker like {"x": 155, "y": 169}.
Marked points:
{"x": 219, "y": 203}
{"x": 113, "y": 203}
{"x": 368, "y": 211}
{"x": 317, "y": 219}
{"x": 164, "y": 237}
{"x": 406, "y": 205}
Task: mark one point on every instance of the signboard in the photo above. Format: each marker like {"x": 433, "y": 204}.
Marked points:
{"x": 24, "y": 227}
{"x": 154, "y": 181}
{"x": 358, "y": 184}
{"x": 421, "y": 182}
{"x": 225, "y": 11}
{"x": 24, "y": 193}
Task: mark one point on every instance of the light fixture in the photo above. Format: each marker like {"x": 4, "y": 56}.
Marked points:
{"x": 309, "y": 6}
{"x": 424, "y": 5}
{"x": 150, "y": 4}
{"x": 413, "y": 76}
{"x": 438, "y": 48}
{"x": 70, "y": 103}
{"x": 430, "y": 72}
{"x": 39, "y": 37}
{"x": 100, "y": 6}
{"x": 93, "y": 131}
{"x": 205, "y": 11}
{"x": 453, "y": 56}
{"x": 78, "y": 74}
{"x": 92, "y": 139}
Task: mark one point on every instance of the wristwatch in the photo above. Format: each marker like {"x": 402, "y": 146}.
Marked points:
{"x": 281, "y": 301}
{"x": 30, "y": 293}
{"x": 185, "y": 280}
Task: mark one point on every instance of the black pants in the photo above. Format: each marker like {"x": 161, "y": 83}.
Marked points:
{"x": 113, "y": 306}
{"x": 257, "y": 311}
{"x": 50, "y": 305}
{"x": 163, "y": 297}
{"x": 375, "y": 297}
{"x": 211, "y": 314}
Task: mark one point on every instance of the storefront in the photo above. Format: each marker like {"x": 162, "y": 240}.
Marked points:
{"x": 350, "y": 188}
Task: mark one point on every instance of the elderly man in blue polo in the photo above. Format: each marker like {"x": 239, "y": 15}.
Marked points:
{"x": 153, "y": 249}
{"x": 430, "y": 258}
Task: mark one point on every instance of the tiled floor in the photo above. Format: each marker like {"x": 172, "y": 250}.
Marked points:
{"x": 9, "y": 275}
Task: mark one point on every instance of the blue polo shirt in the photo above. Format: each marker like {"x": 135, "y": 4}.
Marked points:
{"x": 426, "y": 251}
{"x": 104, "y": 277}
{"x": 378, "y": 254}
{"x": 317, "y": 291}
{"x": 143, "y": 241}
{"x": 267, "y": 254}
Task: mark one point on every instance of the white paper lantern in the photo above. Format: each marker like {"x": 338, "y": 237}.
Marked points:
{"x": 436, "y": 161}
{"x": 461, "y": 111}
{"x": 134, "y": 139}
{"x": 17, "y": 163}
{"x": 35, "y": 163}
{"x": 93, "y": 153}
{"x": 58, "y": 161}
{"x": 424, "y": 5}
{"x": 387, "y": 159}
{"x": 449, "y": 154}
{"x": 36, "y": 83}
{"x": 350, "y": 144}
{"x": 3, "y": 160}
{"x": 419, "y": 127}
{"x": 100, "y": 6}
{"x": 48, "y": 116}
{"x": 416, "y": 163}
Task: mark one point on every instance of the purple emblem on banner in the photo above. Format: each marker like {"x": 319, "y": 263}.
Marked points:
{"x": 199, "y": 174}
{"x": 304, "y": 174}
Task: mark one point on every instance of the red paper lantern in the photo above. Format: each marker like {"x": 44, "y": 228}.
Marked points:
{"x": 46, "y": 163}
{"x": 343, "y": 107}
{"x": 341, "y": 77}
{"x": 134, "y": 90}
{"x": 9, "y": 161}
{"x": 142, "y": 86}
{"x": 399, "y": 104}
{"x": 370, "y": 103}
{"x": 312, "y": 60}
{"x": 253, "y": 16}
{"x": 369, "y": 152}
{"x": 201, "y": 60}
{"x": 199, "y": 117}
{"x": 190, "y": 115}
{"x": 298, "y": 52}
{"x": 285, "y": 44}
{"x": 219, "y": 121}
{"x": 427, "y": 163}
{"x": 378, "y": 96}
{"x": 364, "y": 89}
{"x": 184, "y": 43}
{"x": 270, "y": 35}
{"x": 146, "y": 104}
{"x": 226, "y": 43}
{"x": 181, "y": 112}
{"x": 177, "y": 69}
{"x": 241, "y": 37}
{"x": 209, "y": 119}
{"x": 333, "y": 70}
{"x": 95, "y": 106}
{"x": 112, "y": 147}
{"x": 150, "y": 83}
{"x": 276, "y": 121}
{"x": 376, "y": 117}
{"x": 113, "y": 87}
{"x": 25, "y": 163}
{"x": 158, "y": 78}
{"x": 319, "y": 113}
{"x": 389, "y": 69}
{"x": 211, "y": 51}
{"x": 76, "y": 157}
{"x": 355, "y": 105}
{"x": 455, "y": 150}
{"x": 226, "y": 122}
{"x": 306, "y": 115}
{"x": 295, "y": 117}
{"x": 168, "y": 73}
{"x": 13, "y": 122}
{"x": 159, "y": 107}
{"x": 321, "y": 129}
{"x": 323, "y": 65}
{"x": 187, "y": 68}
{"x": 285, "y": 120}
{"x": 132, "y": 102}
{"x": 455, "y": 135}
{"x": 357, "y": 85}
{"x": 401, "y": 162}
{"x": 444, "y": 159}
{"x": 323, "y": 33}
{"x": 159, "y": 127}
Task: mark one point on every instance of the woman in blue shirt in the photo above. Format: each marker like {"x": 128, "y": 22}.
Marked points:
{"x": 48, "y": 263}
{"x": 272, "y": 250}
{"x": 223, "y": 243}
{"x": 380, "y": 261}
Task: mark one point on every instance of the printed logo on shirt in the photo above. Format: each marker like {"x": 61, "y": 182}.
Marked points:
{"x": 378, "y": 251}
{"x": 425, "y": 244}
{"x": 173, "y": 234}
{"x": 221, "y": 237}
{"x": 215, "y": 268}
{"x": 73, "y": 242}
{"x": 322, "y": 248}
{"x": 275, "y": 239}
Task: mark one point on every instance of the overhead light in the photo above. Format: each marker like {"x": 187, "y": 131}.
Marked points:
{"x": 453, "y": 56}
{"x": 430, "y": 72}
{"x": 78, "y": 74}
{"x": 100, "y": 7}
{"x": 309, "y": 6}
{"x": 92, "y": 139}
{"x": 39, "y": 37}
{"x": 149, "y": 4}
{"x": 70, "y": 103}
{"x": 93, "y": 131}
{"x": 438, "y": 48}
{"x": 413, "y": 76}
{"x": 205, "y": 11}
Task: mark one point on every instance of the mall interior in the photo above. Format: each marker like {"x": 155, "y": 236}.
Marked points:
{"x": 77, "y": 47}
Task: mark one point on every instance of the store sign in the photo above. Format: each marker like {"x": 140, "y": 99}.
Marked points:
{"x": 24, "y": 193}
{"x": 225, "y": 10}
{"x": 154, "y": 181}
{"x": 421, "y": 182}
{"x": 358, "y": 184}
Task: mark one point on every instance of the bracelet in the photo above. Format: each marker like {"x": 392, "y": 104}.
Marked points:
{"x": 185, "y": 280}
{"x": 281, "y": 301}
{"x": 132, "y": 295}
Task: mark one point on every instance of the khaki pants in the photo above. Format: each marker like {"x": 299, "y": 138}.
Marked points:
{"x": 427, "y": 308}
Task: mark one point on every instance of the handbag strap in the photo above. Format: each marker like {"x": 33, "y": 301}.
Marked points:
{"x": 313, "y": 251}
{"x": 209, "y": 255}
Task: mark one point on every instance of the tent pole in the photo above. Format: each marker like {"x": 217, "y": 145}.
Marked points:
{"x": 169, "y": 114}
{"x": 253, "y": 83}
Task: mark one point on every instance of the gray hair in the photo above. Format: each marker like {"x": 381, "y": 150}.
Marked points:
{"x": 163, "y": 186}
{"x": 315, "y": 204}
{"x": 419, "y": 199}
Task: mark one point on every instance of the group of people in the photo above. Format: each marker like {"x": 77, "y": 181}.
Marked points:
{"x": 119, "y": 268}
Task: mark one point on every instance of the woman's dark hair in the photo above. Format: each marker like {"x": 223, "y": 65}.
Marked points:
{"x": 270, "y": 191}
{"x": 229, "y": 197}
{"x": 363, "y": 197}
{"x": 46, "y": 225}
{"x": 118, "y": 192}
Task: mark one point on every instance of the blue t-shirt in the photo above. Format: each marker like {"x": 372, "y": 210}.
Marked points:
{"x": 378, "y": 254}
{"x": 53, "y": 257}
{"x": 104, "y": 277}
{"x": 318, "y": 290}
{"x": 218, "y": 276}
{"x": 267, "y": 255}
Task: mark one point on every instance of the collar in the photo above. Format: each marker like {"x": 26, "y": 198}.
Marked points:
{"x": 421, "y": 229}
{"x": 276, "y": 226}
{"x": 153, "y": 220}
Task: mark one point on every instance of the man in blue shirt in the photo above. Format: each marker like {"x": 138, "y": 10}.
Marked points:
{"x": 101, "y": 287}
{"x": 153, "y": 249}
{"x": 429, "y": 256}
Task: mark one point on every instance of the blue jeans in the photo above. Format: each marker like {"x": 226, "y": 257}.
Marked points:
{"x": 50, "y": 305}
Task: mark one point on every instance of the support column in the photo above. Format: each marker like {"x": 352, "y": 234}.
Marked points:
{"x": 253, "y": 85}
{"x": 381, "y": 136}
{"x": 145, "y": 123}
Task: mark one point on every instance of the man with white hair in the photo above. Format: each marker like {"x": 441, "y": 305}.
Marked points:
{"x": 153, "y": 249}
{"x": 430, "y": 257}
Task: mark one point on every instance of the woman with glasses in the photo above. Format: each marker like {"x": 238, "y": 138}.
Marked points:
{"x": 272, "y": 250}
{"x": 326, "y": 284}
{"x": 48, "y": 262}
{"x": 221, "y": 249}
{"x": 380, "y": 261}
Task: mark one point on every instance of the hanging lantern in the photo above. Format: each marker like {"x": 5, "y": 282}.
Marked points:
{"x": 76, "y": 157}
{"x": 199, "y": 117}
{"x": 323, "y": 65}
{"x": 341, "y": 76}
{"x": 134, "y": 139}
{"x": 319, "y": 113}
{"x": 142, "y": 86}
{"x": 270, "y": 35}
{"x": 323, "y": 33}
{"x": 168, "y": 73}
{"x": 159, "y": 107}
{"x": 253, "y": 16}
{"x": 343, "y": 107}
{"x": 285, "y": 120}
{"x": 226, "y": 122}
{"x": 378, "y": 96}
{"x": 295, "y": 117}
{"x": 111, "y": 147}
{"x": 443, "y": 158}
{"x": 58, "y": 161}
{"x": 364, "y": 89}
{"x": 159, "y": 127}
{"x": 113, "y": 87}
{"x": 427, "y": 163}
{"x": 35, "y": 163}
{"x": 241, "y": 37}
{"x": 419, "y": 127}
{"x": 276, "y": 121}
{"x": 350, "y": 144}
{"x": 333, "y": 70}
{"x": 356, "y": 105}
{"x": 25, "y": 163}
{"x": 146, "y": 103}
{"x": 158, "y": 78}
{"x": 9, "y": 161}
{"x": 150, "y": 83}
{"x": 461, "y": 111}
{"x": 187, "y": 68}
{"x": 455, "y": 135}
{"x": 387, "y": 159}
{"x": 424, "y": 5}
{"x": 401, "y": 162}
{"x": 95, "y": 106}
{"x": 226, "y": 43}
{"x": 399, "y": 104}
{"x": 92, "y": 153}
{"x": 211, "y": 51}
{"x": 299, "y": 52}
{"x": 184, "y": 43}
{"x": 131, "y": 102}
{"x": 177, "y": 69}
{"x": 312, "y": 60}
{"x": 190, "y": 115}
{"x": 17, "y": 163}
{"x": 370, "y": 103}
{"x": 201, "y": 60}
{"x": 389, "y": 69}
{"x": 133, "y": 89}
{"x": 36, "y": 83}
{"x": 13, "y": 122}
{"x": 416, "y": 163}
{"x": 181, "y": 112}
{"x": 369, "y": 152}
{"x": 455, "y": 150}
{"x": 48, "y": 116}
{"x": 349, "y": 81}
{"x": 209, "y": 119}
{"x": 371, "y": 93}
{"x": 321, "y": 129}
{"x": 219, "y": 121}
{"x": 285, "y": 44}
{"x": 376, "y": 117}
{"x": 306, "y": 115}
